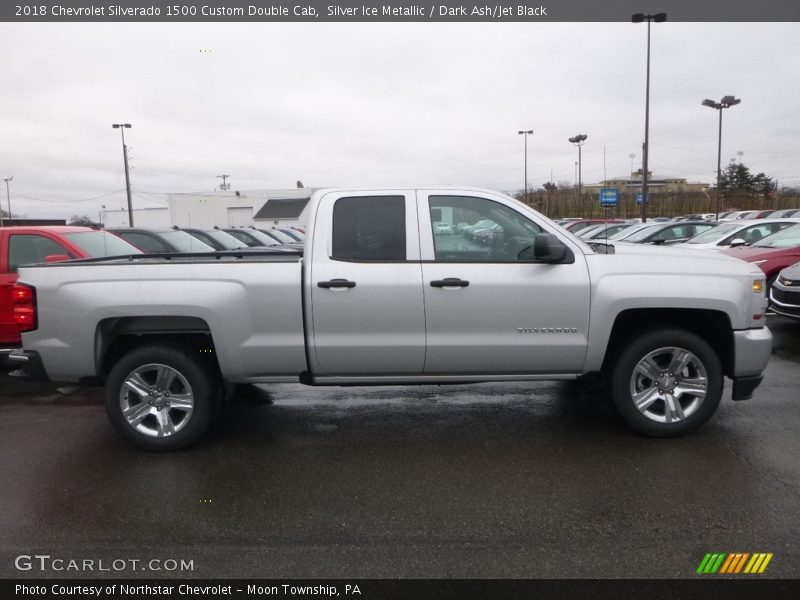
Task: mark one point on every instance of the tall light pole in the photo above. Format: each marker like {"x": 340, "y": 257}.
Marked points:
{"x": 579, "y": 140}
{"x": 526, "y": 133}
{"x": 630, "y": 182}
{"x": 638, "y": 18}
{"x": 726, "y": 102}
{"x": 575, "y": 177}
{"x": 8, "y": 194}
{"x": 122, "y": 127}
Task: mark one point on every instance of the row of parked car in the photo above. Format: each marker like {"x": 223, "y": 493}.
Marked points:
{"x": 209, "y": 239}
{"x": 732, "y": 215}
{"x": 29, "y": 245}
{"x": 772, "y": 243}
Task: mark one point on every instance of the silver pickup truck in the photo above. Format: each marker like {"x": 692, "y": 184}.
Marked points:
{"x": 400, "y": 286}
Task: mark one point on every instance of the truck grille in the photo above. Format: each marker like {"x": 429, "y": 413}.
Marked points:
{"x": 784, "y": 297}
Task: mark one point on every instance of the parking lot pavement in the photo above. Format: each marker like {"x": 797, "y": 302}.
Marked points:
{"x": 492, "y": 480}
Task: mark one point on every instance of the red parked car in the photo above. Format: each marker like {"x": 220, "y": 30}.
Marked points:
{"x": 773, "y": 252}
{"x": 27, "y": 245}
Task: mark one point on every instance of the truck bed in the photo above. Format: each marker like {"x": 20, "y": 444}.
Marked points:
{"x": 250, "y": 303}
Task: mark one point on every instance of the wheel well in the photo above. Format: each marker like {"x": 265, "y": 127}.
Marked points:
{"x": 116, "y": 337}
{"x": 713, "y": 326}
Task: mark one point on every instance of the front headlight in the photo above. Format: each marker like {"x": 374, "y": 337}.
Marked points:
{"x": 758, "y": 300}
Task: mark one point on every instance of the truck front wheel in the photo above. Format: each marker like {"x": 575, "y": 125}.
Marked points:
{"x": 667, "y": 383}
{"x": 162, "y": 397}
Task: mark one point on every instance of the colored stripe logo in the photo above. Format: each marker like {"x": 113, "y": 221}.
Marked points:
{"x": 734, "y": 563}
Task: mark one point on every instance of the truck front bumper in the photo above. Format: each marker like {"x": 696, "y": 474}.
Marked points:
{"x": 752, "y": 349}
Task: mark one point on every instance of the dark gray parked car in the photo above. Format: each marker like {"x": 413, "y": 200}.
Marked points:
{"x": 161, "y": 241}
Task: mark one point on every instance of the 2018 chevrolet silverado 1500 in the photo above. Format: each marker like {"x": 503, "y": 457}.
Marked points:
{"x": 382, "y": 297}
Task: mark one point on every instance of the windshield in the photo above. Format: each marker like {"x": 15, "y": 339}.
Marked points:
{"x": 280, "y": 236}
{"x": 788, "y": 238}
{"x": 252, "y": 238}
{"x": 98, "y": 244}
{"x": 608, "y": 232}
{"x": 226, "y": 240}
{"x": 713, "y": 234}
{"x": 637, "y": 234}
{"x": 185, "y": 242}
{"x": 584, "y": 233}
{"x": 622, "y": 234}
{"x": 293, "y": 233}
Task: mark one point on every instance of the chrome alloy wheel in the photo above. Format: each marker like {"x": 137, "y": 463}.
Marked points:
{"x": 669, "y": 385}
{"x": 156, "y": 400}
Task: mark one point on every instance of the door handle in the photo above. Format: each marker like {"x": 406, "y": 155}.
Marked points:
{"x": 449, "y": 282}
{"x": 336, "y": 283}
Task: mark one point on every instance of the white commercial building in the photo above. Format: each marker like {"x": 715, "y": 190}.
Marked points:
{"x": 268, "y": 208}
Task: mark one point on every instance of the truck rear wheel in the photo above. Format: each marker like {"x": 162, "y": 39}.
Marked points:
{"x": 162, "y": 397}
{"x": 667, "y": 383}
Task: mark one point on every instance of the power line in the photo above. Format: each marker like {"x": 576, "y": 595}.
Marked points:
{"x": 67, "y": 201}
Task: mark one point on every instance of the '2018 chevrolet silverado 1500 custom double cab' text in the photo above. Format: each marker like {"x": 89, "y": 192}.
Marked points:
{"x": 380, "y": 296}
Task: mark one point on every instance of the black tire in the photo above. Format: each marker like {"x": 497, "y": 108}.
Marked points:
{"x": 196, "y": 372}
{"x": 625, "y": 379}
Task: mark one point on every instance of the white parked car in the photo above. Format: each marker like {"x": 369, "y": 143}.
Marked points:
{"x": 739, "y": 232}
{"x": 739, "y": 214}
{"x": 442, "y": 228}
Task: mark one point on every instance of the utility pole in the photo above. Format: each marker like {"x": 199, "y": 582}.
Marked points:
{"x": 224, "y": 186}
{"x": 526, "y": 133}
{"x": 122, "y": 127}
{"x": 8, "y": 197}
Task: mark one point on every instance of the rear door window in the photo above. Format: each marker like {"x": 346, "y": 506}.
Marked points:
{"x": 369, "y": 229}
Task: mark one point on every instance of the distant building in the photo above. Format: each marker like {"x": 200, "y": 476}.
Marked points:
{"x": 655, "y": 184}
{"x": 142, "y": 217}
{"x": 227, "y": 208}
{"x": 239, "y": 208}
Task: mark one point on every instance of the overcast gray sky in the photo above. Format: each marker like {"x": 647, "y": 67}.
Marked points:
{"x": 380, "y": 104}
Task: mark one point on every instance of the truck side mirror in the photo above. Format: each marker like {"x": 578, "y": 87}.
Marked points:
{"x": 737, "y": 242}
{"x": 51, "y": 258}
{"x": 547, "y": 248}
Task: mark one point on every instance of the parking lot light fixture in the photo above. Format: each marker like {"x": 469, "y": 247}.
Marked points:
{"x": 639, "y": 18}
{"x": 726, "y": 102}
{"x": 526, "y": 133}
{"x": 579, "y": 140}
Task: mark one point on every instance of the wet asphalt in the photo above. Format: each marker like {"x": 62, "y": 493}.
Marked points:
{"x": 490, "y": 480}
